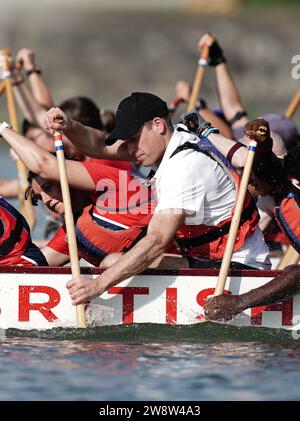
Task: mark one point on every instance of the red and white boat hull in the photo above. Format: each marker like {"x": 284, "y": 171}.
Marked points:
{"x": 36, "y": 298}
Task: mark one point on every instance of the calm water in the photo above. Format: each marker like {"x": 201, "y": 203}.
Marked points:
{"x": 150, "y": 363}
{"x": 147, "y": 362}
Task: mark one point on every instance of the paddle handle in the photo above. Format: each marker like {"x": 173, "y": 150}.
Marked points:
{"x": 235, "y": 222}
{"x": 293, "y": 105}
{"x": 69, "y": 220}
{"x": 202, "y": 63}
{"x": 25, "y": 206}
{"x": 290, "y": 257}
{"x": 2, "y": 87}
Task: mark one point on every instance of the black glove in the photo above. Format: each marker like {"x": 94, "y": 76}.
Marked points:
{"x": 196, "y": 124}
{"x": 215, "y": 56}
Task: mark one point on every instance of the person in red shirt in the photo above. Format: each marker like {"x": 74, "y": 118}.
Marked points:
{"x": 109, "y": 219}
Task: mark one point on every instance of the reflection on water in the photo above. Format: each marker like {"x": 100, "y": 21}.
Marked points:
{"x": 161, "y": 369}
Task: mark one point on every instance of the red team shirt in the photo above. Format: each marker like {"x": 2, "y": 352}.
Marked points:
{"x": 122, "y": 208}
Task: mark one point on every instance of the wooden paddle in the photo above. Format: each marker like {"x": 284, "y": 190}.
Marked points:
{"x": 25, "y": 206}
{"x": 2, "y": 88}
{"x": 293, "y": 105}
{"x": 235, "y": 222}
{"x": 202, "y": 63}
{"x": 69, "y": 220}
{"x": 291, "y": 256}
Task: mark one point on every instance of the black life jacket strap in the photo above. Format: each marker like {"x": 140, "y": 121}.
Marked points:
{"x": 189, "y": 243}
{"x": 185, "y": 146}
{"x": 15, "y": 236}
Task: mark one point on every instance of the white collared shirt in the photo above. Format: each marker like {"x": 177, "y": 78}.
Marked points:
{"x": 196, "y": 183}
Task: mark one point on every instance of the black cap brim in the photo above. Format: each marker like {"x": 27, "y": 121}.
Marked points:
{"x": 122, "y": 133}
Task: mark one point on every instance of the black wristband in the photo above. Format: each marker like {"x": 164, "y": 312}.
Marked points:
{"x": 17, "y": 82}
{"x": 216, "y": 55}
{"x": 237, "y": 117}
{"x": 201, "y": 104}
{"x": 35, "y": 69}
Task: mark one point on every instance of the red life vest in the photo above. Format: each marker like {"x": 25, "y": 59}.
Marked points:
{"x": 99, "y": 236}
{"x": 208, "y": 242}
{"x": 118, "y": 219}
{"x": 124, "y": 198}
{"x": 16, "y": 247}
{"x": 287, "y": 214}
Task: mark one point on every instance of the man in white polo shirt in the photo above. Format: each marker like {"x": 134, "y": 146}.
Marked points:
{"x": 195, "y": 197}
{"x": 196, "y": 183}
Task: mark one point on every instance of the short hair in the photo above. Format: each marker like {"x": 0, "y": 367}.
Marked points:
{"x": 167, "y": 119}
{"x": 270, "y": 170}
{"x": 28, "y": 194}
{"x": 84, "y": 110}
{"x": 292, "y": 162}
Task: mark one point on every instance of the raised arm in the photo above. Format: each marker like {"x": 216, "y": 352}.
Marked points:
{"x": 257, "y": 129}
{"x": 183, "y": 91}
{"x": 33, "y": 111}
{"x": 234, "y": 151}
{"x": 229, "y": 97}
{"x": 43, "y": 163}
{"x": 238, "y": 152}
{"x": 89, "y": 141}
{"x": 26, "y": 58}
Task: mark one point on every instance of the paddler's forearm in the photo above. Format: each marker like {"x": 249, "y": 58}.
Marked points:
{"x": 135, "y": 261}
{"x": 280, "y": 288}
{"x": 91, "y": 142}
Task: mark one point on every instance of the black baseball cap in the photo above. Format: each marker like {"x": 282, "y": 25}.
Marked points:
{"x": 133, "y": 112}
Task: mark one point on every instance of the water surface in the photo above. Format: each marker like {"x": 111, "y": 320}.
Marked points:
{"x": 150, "y": 362}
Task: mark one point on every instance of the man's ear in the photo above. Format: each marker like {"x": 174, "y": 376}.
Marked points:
{"x": 159, "y": 125}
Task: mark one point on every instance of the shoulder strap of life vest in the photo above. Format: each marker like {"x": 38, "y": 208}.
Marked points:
{"x": 214, "y": 234}
{"x": 205, "y": 146}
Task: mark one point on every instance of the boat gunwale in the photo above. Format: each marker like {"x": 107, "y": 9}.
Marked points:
{"x": 86, "y": 270}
